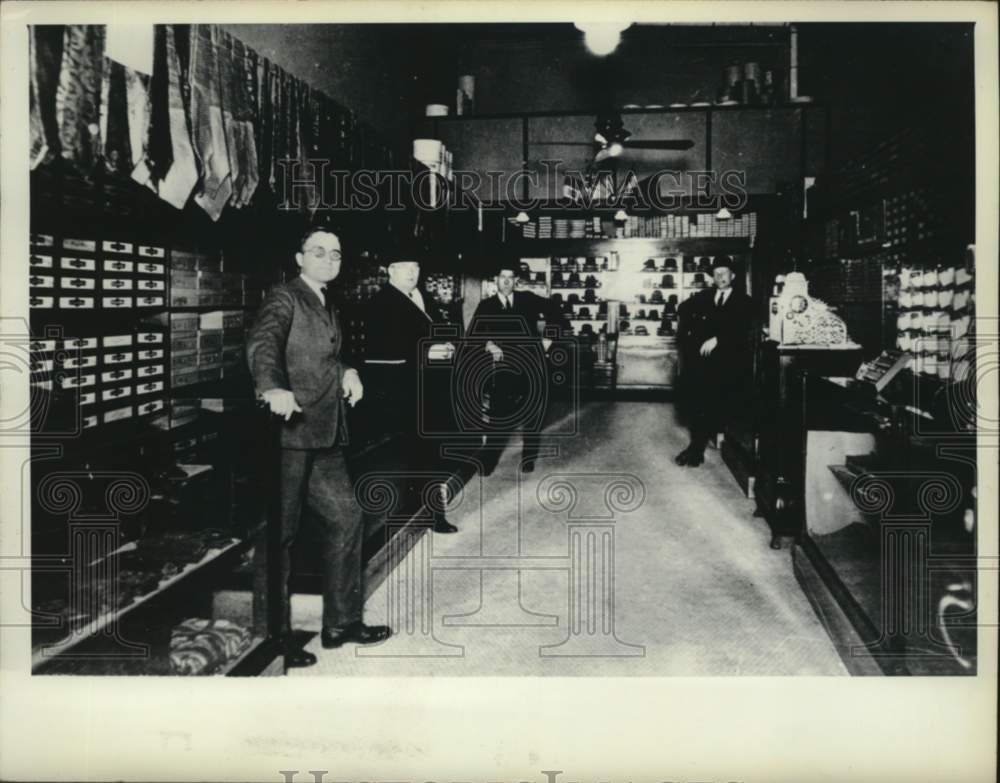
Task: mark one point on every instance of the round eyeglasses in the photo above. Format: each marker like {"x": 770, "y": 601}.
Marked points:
{"x": 321, "y": 253}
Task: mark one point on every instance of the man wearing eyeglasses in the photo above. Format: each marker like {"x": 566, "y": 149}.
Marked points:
{"x": 294, "y": 353}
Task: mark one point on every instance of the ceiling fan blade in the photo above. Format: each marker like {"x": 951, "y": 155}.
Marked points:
{"x": 663, "y": 144}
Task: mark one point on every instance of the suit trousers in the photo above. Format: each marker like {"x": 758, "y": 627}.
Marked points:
{"x": 521, "y": 398}
{"x": 319, "y": 478}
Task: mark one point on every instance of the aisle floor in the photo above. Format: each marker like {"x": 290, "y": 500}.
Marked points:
{"x": 694, "y": 589}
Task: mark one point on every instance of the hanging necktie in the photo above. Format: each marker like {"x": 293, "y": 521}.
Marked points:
{"x": 719, "y": 299}
{"x": 506, "y": 304}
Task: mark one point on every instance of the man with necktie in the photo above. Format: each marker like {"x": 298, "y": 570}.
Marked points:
{"x": 509, "y": 327}
{"x": 714, "y": 338}
{"x": 399, "y": 322}
{"x": 294, "y": 353}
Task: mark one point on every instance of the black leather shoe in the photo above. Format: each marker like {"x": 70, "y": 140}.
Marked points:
{"x": 357, "y": 632}
{"x": 297, "y": 658}
{"x": 694, "y": 459}
{"x": 442, "y": 525}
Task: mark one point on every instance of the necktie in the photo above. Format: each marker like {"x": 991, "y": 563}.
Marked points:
{"x": 506, "y": 304}
{"x": 720, "y": 299}
{"x": 325, "y": 297}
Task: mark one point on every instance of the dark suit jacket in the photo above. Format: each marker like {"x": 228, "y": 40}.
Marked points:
{"x": 732, "y": 324}
{"x": 491, "y": 322}
{"x": 394, "y": 354}
{"x": 295, "y": 344}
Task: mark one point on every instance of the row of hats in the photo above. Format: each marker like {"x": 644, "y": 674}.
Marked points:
{"x": 592, "y": 264}
{"x": 689, "y": 264}
{"x": 589, "y": 297}
{"x": 572, "y": 280}
{"x": 624, "y": 327}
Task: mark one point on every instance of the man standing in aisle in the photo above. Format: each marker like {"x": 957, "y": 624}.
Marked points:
{"x": 294, "y": 353}
{"x": 399, "y": 322}
{"x": 714, "y": 337}
{"x": 509, "y": 326}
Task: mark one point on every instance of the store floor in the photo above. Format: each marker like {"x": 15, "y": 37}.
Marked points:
{"x": 694, "y": 591}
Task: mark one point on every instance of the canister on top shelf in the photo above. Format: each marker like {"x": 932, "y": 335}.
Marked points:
{"x": 751, "y": 72}
{"x": 734, "y": 74}
{"x": 436, "y": 110}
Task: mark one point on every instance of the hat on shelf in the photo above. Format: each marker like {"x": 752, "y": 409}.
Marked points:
{"x": 623, "y": 309}
{"x": 602, "y": 308}
{"x": 689, "y": 264}
{"x": 557, "y": 278}
{"x": 573, "y": 299}
{"x": 591, "y": 282}
{"x": 657, "y": 297}
{"x": 539, "y": 277}
{"x": 641, "y": 315}
{"x": 556, "y": 299}
{"x": 670, "y": 264}
{"x": 590, "y": 295}
{"x": 705, "y": 263}
{"x": 641, "y": 330}
{"x": 583, "y": 312}
{"x": 667, "y": 281}
{"x": 586, "y": 329}
{"x": 642, "y": 299}
{"x": 654, "y": 315}
{"x": 650, "y": 265}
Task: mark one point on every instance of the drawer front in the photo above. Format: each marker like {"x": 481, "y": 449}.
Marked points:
{"x": 113, "y": 246}
{"x": 41, "y": 302}
{"x": 87, "y": 398}
{"x": 40, "y": 262}
{"x": 149, "y": 251}
{"x": 77, "y": 302}
{"x": 80, "y": 343}
{"x": 83, "y": 361}
{"x": 180, "y": 361}
{"x": 77, "y": 283}
{"x": 150, "y": 371}
{"x": 76, "y": 264}
{"x": 150, "y": 285}
{"x": 184, "y": 297}
{"x": 150, "y": 354}
{"x": 41, "y": 281}
{"x": 42, "y": 240}
{"x": 147, "y": 268}
{"x": 41, "y": 365}
{"x": 149, "y": 301}
{"x": 149, "y": 387}
{"x": 117, "y": 284}
{"x": 183, "y": 344}
{"x": 86, "y": 245}
{"x": 116, "y": 376}
{"x": 89, "y": 422}
{"x": 120, "y": 357}
{"x": 149, "y": 338}
{"x": 116, "y": 302}
{"x": 118, "y": 267}
{"x": 116, "y": 340}
{"x": 77, "y": 381}
{"x": 153, "y": 406}
{"x": 42, "y": 345}
{"x": 117, "y": 393}
{"x": 118, "y": 414}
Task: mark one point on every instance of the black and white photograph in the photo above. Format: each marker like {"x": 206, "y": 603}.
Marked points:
{"x": 396, "y": 346}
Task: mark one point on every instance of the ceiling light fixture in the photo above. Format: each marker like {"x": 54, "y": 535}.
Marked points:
{"x": 723, "y": 214}
{"x": 602, "y": 38}
{"x": 621, "y": 216}
{"x": 522, "y": 217}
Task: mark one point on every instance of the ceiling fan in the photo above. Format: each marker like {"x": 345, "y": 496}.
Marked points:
{"x": 611, "y": 139}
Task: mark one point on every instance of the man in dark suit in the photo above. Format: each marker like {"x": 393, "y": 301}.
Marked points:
{"x": 509, "y": 326}
{"x": 294, "y": 353}
{"x": 399, "y": 324}
{"x": 713, "y": 335}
